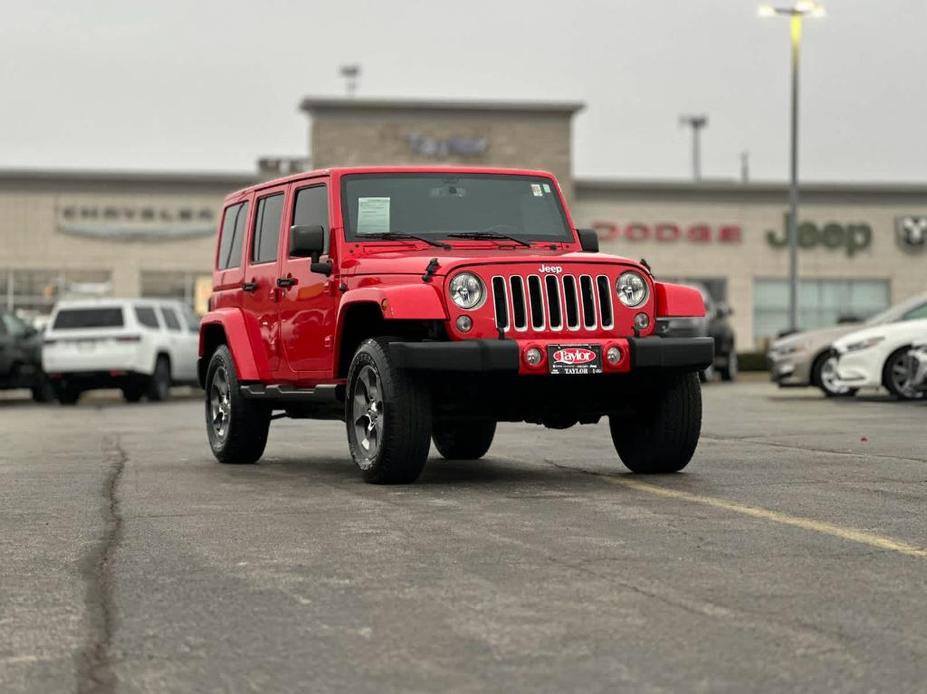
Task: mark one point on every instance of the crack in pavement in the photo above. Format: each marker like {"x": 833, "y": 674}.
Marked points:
{"x": 94, "y": 666}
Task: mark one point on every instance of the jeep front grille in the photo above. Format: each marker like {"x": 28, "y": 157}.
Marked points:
{"x": 553, "y": 302}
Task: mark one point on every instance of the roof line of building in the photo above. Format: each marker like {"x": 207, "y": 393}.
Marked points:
{"x": 735, "y": 187}
{"x": 626, "y": 185}
{"x": 134, "y": 176}
{"x": 318, "y": 103}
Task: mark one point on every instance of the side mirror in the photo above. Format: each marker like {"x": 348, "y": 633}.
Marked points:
{"x": 307, "y": 241}
{"x": 723, "y": 311}
{"x": 588, "y": 240}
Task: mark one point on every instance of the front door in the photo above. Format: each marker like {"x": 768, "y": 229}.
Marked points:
{"x": 259, "y": 289}
{"x": 307, "y": 307}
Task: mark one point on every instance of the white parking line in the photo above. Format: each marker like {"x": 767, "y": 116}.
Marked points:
{"x": 850, "y": 534}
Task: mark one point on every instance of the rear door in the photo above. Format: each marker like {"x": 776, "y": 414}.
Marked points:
{"x": 259, "y": 289}
{"x": 308, "y": 305}
{"x": 229, "y": 266}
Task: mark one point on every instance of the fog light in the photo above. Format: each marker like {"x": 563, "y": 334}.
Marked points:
{"x": 464, "y": 323}
{"x": 533, "y": 356}
{"x": 641, "y": 321}
{"x": 613, "y": 355}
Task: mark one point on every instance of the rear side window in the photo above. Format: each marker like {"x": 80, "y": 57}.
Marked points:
{"x": 233, "y": 234}
{"x": 311, "y": 208}
{"x": 98, "y": 317}
{"x": 170, "y": 319}
{"x": 145, "y": 315}
{"x": 267, "y": 229}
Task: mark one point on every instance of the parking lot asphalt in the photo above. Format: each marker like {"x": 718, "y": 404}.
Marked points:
{"x": 790, "y": 555}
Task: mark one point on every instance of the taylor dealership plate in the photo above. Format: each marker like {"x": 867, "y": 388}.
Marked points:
{"x": 574, "y": 360}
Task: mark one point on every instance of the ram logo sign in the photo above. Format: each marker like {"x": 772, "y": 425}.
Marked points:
{"x": 911, "y": 232}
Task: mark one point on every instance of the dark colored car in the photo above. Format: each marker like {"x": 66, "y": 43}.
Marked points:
{"x": 714, "y": 324}
{"x": 21, "y": 358}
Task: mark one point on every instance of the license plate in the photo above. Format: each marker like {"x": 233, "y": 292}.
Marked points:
{"x": 572, "y": 360}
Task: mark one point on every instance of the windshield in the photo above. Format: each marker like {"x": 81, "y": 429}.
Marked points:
{"x": 438, "y": 205}
{"x": 894, "y": 313}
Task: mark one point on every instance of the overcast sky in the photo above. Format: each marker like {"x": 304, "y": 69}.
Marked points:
{"x": 213, "y": 85}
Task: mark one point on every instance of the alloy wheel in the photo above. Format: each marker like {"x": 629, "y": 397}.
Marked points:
{"x": 367, "y": 411}
{"x": 220, "y": 403}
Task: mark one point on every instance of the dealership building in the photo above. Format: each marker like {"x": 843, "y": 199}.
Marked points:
{"x": 862, "y": 247}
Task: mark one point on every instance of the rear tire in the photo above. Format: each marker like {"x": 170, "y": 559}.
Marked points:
{"x": 237, "y": 427}
{"x": 67, "y": 395}
{"x": 42, "y": 390}
{"x": 388, "y": 417}
{"x": 661, "y": 436}
{"x": 159, "y": 384}
{"x": 463, "y": 439}
{"x": 133, "y": 393}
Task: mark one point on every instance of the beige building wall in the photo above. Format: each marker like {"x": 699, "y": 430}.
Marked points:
{"x": 351, "y": 132}
{"x": 757, "y": 209}
{"x": 39, "y": 214}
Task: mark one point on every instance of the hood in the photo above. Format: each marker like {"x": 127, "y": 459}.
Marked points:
{"x": 896, "y": 334}
{"x": 814, "y": 339}
{"x": 414, "y": 261}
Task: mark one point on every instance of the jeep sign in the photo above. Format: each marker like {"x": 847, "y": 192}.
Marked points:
{"x": 852, "y": 238}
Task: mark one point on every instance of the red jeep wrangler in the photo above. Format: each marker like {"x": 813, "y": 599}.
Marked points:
{"x": 427, "y": 304}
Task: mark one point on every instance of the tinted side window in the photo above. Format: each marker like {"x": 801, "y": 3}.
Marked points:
{"x": 170, "y": 319}
{"x": 311, "y": 208}
{"x": 916, "y": 313}
{"x": 233, "y": 232}
{"x": 145, "y": 315}
{"x": 267, "y": 229}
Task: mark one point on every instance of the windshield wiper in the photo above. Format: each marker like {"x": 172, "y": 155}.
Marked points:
{"x": 401, "y": 235}
{"x": 493, "y": 235}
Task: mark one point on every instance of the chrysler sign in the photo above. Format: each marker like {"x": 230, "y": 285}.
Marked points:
{"x": 134, "y": 222}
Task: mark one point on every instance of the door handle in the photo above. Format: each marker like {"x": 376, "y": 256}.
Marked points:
{"x": 249, "y": 286}
{"x": 287, "y": 282}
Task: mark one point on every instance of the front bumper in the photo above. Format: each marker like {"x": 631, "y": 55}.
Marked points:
{"x": 792, "y": 369}
{"x": 683, "y": 353}
{"x": 919, "y": 367}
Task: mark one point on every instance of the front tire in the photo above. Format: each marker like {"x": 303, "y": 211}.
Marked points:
{"x": 388, "y": 417}
{"x": 662, "y": 434}
{"x": 42, "y": 390}
{"x": 897, "y": 376}
{"x": 237, "y": 427}
{"x": 824, "y": 376}
{"x": 463, "y": 439}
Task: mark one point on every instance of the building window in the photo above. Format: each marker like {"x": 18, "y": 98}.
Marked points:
{"x": 821, "y": 303}
{"x": 36, "y": 291}
{"x": 158, "y": 284}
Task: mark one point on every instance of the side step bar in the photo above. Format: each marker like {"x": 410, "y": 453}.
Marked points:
{"x": 288, "y": 393}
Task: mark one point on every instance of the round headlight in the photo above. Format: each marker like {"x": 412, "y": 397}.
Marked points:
{"x": 467, "y": 290}
{"x": 632, "y": 289}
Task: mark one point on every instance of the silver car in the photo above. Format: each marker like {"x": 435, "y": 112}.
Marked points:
{"x": 805, "y": 359}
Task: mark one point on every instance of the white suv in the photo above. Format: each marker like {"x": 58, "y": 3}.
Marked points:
{"x": 141, "y": 346}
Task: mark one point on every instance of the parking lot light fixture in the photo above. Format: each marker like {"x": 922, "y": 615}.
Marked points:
{"x": 796, "y": 12}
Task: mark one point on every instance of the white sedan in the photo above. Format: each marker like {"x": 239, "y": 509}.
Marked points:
{"x": 878, "y": 356}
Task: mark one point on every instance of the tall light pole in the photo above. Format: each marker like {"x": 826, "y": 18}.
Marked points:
{"x": 696, "y": 122}
{"x": 796, "y": 13}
